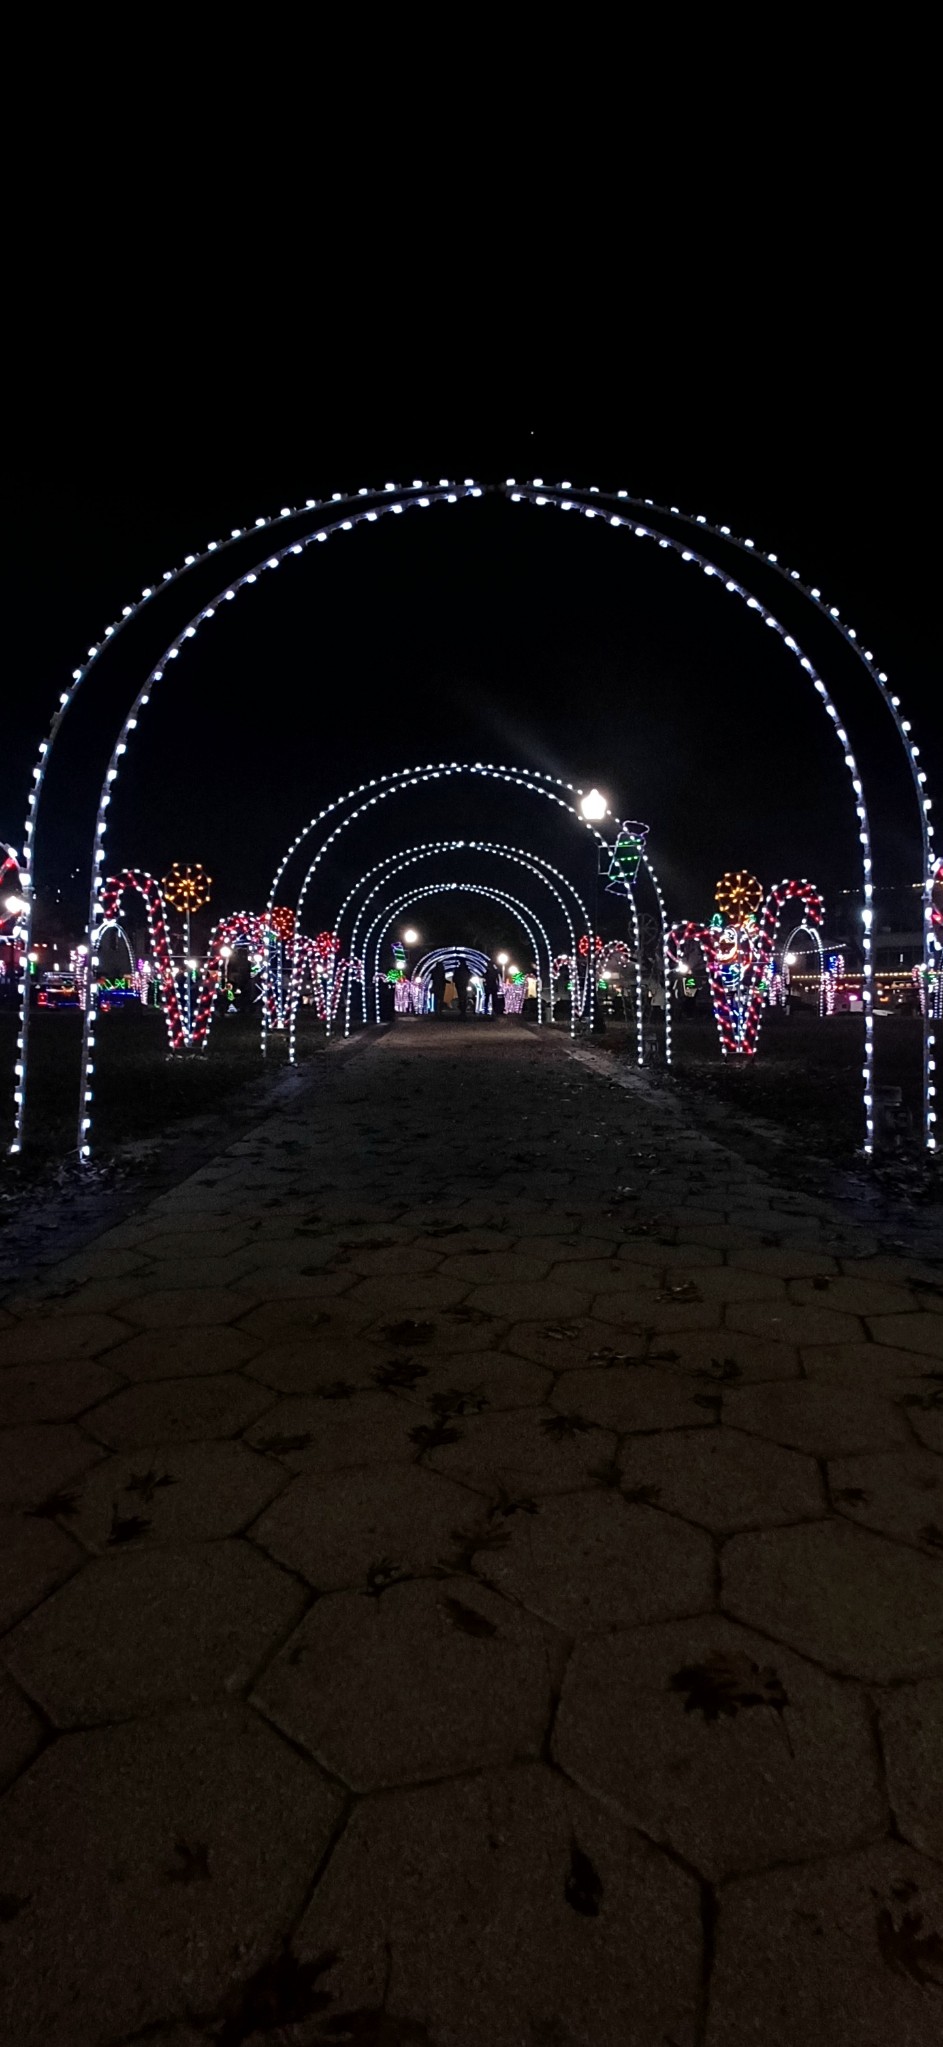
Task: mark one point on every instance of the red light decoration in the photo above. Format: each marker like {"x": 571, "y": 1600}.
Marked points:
{"x": 739, "y": 957}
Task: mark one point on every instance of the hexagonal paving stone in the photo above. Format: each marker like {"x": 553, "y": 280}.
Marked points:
{"x": 916, "y": 1332}
{"x": 661, "y": 1317}
{"x": 591, "y": 1561}
{"x": 663, "y": 1254}
{"x": 402, "y": 1295}
{"x": 724, "y": 1355}
{"x": 789, "y": 1261}
{"x": 516, "y": 1302}
{"x": 41, "y": 1458}
{"x": 787, "y": 1323}
{"x": 565, "y": 1346}
{"x": 825, "y": 1420}
{"x": 629, "y": 1397}
{"x": 496, "y": 1909}
{"x": 666, "y": 1722}
{"x": 397, "y": 1259}
{"x": 607, "y": 1276}
{"x": 183, "y": 1492}
{"x": 177, "y": 1244}
{"x": 316, "y": 1360}
{"x": 925, "y": 1415}
{"x": 858, "y": 1296}
{"x": 294, "y": 1320}
{"x": 530, "y": 1450}
{"x": 722, "y": 1478}
{"x": 867, "y": 1364}
{"x": 186, "y": 1307}
{"x": 426, "y": 1680}
{"x": 335, "y": 1530}
{"x": 160, "y": 1864}
{"x": 862, "y": 1606}
{"x": 899, "y": 1492}
{"x": 843, "y": 1950}
{"x": 509, "y": 1267}
{"x": 49, "y": 1340}
{"x": 912, "y": 1736}
{"x": 488, "y": 1376}
{"x": 565, "y": 1250}
{"x": 178, "y": 1411}
{"x": 21, "y": 1731}
{"x": 728, "y": 1283}
{"x": 182, "y": 1353}
{"x": 143, "y": 1627}
{"x": 310, "y": 1434}
{"x": 52, "y": 1393}
{"x": 35, "y": 1557}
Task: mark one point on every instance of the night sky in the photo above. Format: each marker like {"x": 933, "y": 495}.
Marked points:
{"x": 479, "y": 631}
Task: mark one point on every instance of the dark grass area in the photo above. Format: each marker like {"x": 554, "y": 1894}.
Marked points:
{"x": 139, "y": 1092}
{"x": 805, "y": 1078}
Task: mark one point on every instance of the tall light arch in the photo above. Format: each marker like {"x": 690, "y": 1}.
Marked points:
{"x": 367, "y": 505}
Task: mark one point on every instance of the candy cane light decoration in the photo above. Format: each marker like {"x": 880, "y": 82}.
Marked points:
{"x": 738, "y": 957}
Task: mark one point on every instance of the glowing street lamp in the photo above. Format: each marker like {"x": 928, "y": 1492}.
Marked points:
{"x": 594, "y": 807}
{"x": 15, "y": 906}
{"x": 410, "y": 937}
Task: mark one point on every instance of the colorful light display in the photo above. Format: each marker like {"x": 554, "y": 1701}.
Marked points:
{"x": 739, "y": 957}
{"x": 341, "y": 514}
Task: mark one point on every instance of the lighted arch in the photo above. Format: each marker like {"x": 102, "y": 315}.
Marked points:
{"x": 810, "y": 932}
{"x": 428, "y": 849}
{"x": 395, "y": 908}
{"x": 382, "y": 502}
{"x": 401, "y": 503}
{"x": 517, "y": 857}
{"x": 521, "y": 911}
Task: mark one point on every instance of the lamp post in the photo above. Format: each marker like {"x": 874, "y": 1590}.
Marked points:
{"x": 594, "y": 808}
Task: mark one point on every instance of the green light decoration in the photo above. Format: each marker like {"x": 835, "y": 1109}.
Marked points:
{"x": 626, "y": 857}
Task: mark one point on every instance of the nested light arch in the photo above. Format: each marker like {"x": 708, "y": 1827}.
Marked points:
{"x": 333, "y": 522}
{"x": 518, "y": 856}
{"x": 207, "y": 612}
{"x": 429, "y": 849}
{"x": 471, "y": 888}
{"x": 497, "y": 894}
{"x": 369, "y": 936}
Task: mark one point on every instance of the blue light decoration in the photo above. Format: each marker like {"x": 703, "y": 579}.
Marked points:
{"x": 627, "y": 856}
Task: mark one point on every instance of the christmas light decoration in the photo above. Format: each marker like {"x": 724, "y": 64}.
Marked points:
{"x": 738, "y": 897}
{"x": 187, "y": 889}
{"x": 807, "y": 931}
{"x": 324, "y": 518}
{"x": 540, "y": 869}
{"x": 533, "y": 863}
{"x": 738, "y": 958}
{"x": 626, "y": 857}
{"x": 524, "y": 916}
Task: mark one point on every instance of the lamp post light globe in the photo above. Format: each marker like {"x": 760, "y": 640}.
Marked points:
{"x": 410, "y": 937}
{"x": 594, "y": 807}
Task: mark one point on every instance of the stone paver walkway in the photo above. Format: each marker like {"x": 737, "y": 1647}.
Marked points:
{"x": 472, "y": 1576}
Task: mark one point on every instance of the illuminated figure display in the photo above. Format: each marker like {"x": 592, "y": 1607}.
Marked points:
{"x": 737, "y": 947}
{"x": 626, "y": 857}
